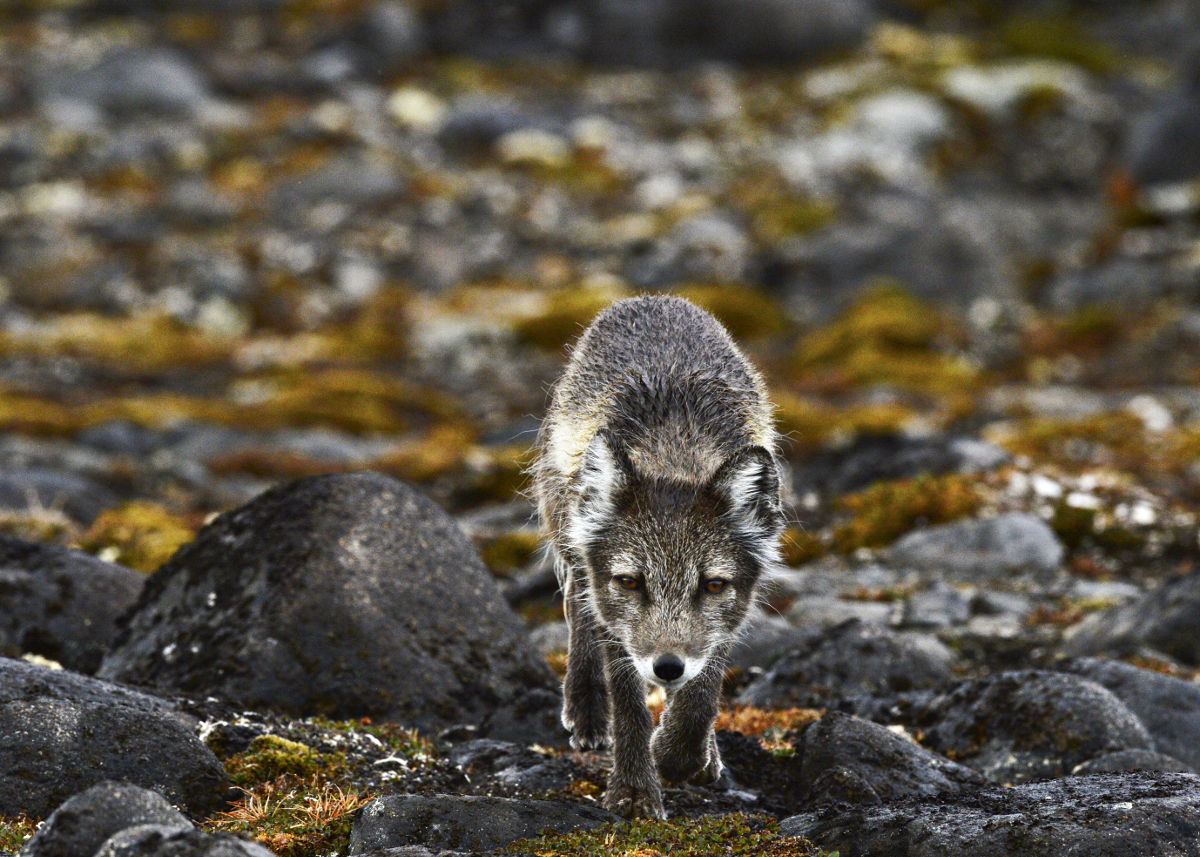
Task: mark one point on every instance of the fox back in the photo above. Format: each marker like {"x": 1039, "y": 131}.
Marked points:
{"x": 659, "y": 483}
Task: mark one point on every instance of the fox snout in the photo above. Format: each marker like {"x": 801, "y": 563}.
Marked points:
{"x": 668, "y": 669}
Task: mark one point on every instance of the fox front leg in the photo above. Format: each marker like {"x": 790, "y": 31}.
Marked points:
{"x": 684, "y": 745}
{"x": 585, "y": 696}
{"x": 633, "y": 788}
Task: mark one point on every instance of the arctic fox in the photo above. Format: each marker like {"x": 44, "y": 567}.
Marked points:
{"x": 658, "y": 482}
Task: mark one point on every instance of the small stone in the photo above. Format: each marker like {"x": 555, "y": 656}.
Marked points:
{"x": 535, "y": 147}
{"x": 417, "y": 110}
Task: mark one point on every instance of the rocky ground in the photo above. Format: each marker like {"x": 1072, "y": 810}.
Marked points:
{"x": 249, "y": 242}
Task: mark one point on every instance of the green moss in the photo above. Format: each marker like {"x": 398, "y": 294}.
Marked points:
{"x": 887, "y": 337}
{"x": 885, "y": 511}
{"x": 439, "y": 451}
{"x": 746, "y": 312}
{"x": 139, "y": 535}
{"x": 399, "y": 740}
{"x": 269, "y": 757}
{"x": 14, "y": 831}
{"x": 735, "y": 835}
{"x": 1058, "y": 36}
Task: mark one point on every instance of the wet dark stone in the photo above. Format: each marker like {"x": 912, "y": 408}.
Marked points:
{"x": 844, "y": 758}
{"x": 153, "y": 840}
{"x": 83, "y": 823}
{"x": 465, "y": 823}
{"x": 1132, "y": 761}
{"x": 1168, "y": 706}
{"x": 1166, "y": 619}
{"x": 1108, "y": 815}
{"x": 348, "y": 595}
{"x": 59, "y": 603}
{"x": 1029, "y": 724}
{"x": 855, "y": 667}
{"x": 61, "y": 733}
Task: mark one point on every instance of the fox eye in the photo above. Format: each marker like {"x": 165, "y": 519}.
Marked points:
{"x": 715, "y": 584}
{"x": 628, "y": 581}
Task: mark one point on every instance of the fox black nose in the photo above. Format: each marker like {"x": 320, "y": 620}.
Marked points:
{"x": 668, "y": 667}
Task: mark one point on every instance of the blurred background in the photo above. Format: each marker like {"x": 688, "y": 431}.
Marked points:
{"x": 243, "y": 241}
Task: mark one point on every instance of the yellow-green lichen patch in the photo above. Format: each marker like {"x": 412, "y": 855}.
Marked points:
{"x": 270, "y": 757}
{"x": 885, "y": 511}
{"x": 293, "y": 817}
{"x": 1112, "y": 441}
{"x": 145, "y": 342}
{"x": 736, "y": 835}
{"x": 747, "y": 313}
{"x": 800, "y": 547}
{"x": 886, "y": 338}
{"x": 140, "y": 535}
{"x": 439, "y": 451}
{"x": 1059, "y": 36}
{"x": 509, "y": 552}
{"x": 808, "y": 425}
{"x": 565, "y": 314}
{"x": 14, "y": 832}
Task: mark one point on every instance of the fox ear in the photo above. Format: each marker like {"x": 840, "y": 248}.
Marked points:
{"x": 603, "y": 472}
{"x": 749, "y": 483}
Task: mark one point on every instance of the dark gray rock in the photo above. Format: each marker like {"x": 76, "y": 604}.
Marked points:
{"x": 348, "y": 595}
{"x": 59, "y": 603}
{"x": 855, "y": 667}
{"x": 77, "y": 496}
{"x": 763, "y": 640}
{"x": 982, "y": 548}
{"x": 83, "y": 823}
{"x": 939, "y": 607}
{"x": 1131, "y": 761}
{"x": 844, "y": 758}
{"x": 1029, "y": 724}
{"x": 465, "y": 823}
{"x": 1166, "y": 619}
{"x": 768, "y": 31}
{"x": 130, "y": 81}
{"x": 878, "y": 458}
{"x": 1168, "y": 707}
{"x": 155, "y": 840}
{"x": 61, "y": 733}
{"x": 1112, "y": 815}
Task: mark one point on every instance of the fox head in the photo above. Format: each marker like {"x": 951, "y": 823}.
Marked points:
{"x": 673, "y": 565}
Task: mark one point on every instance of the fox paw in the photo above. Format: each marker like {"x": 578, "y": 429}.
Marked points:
{"x": 587, "y": 733}
{"x": 633, "y": 802}
{"x": 684, "y": 765}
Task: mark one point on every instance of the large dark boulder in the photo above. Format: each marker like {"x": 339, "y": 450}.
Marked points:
{"x": 1169, "y": 707}
{"x": 855, "y": 666}
{"x": 60, "y": 603}
{"x": 847, "y": 759}
{"x": 84, "y": 822}
{"x": 465, "y": 823}
{"x": 61, "y": 733}
{"x": 1108, "y": 815}
{"x": 1029, "y": 724}
{"x": 349, "y": 595}
{"x": 156, "y": 840}
{"x": 1166, "y": 619}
